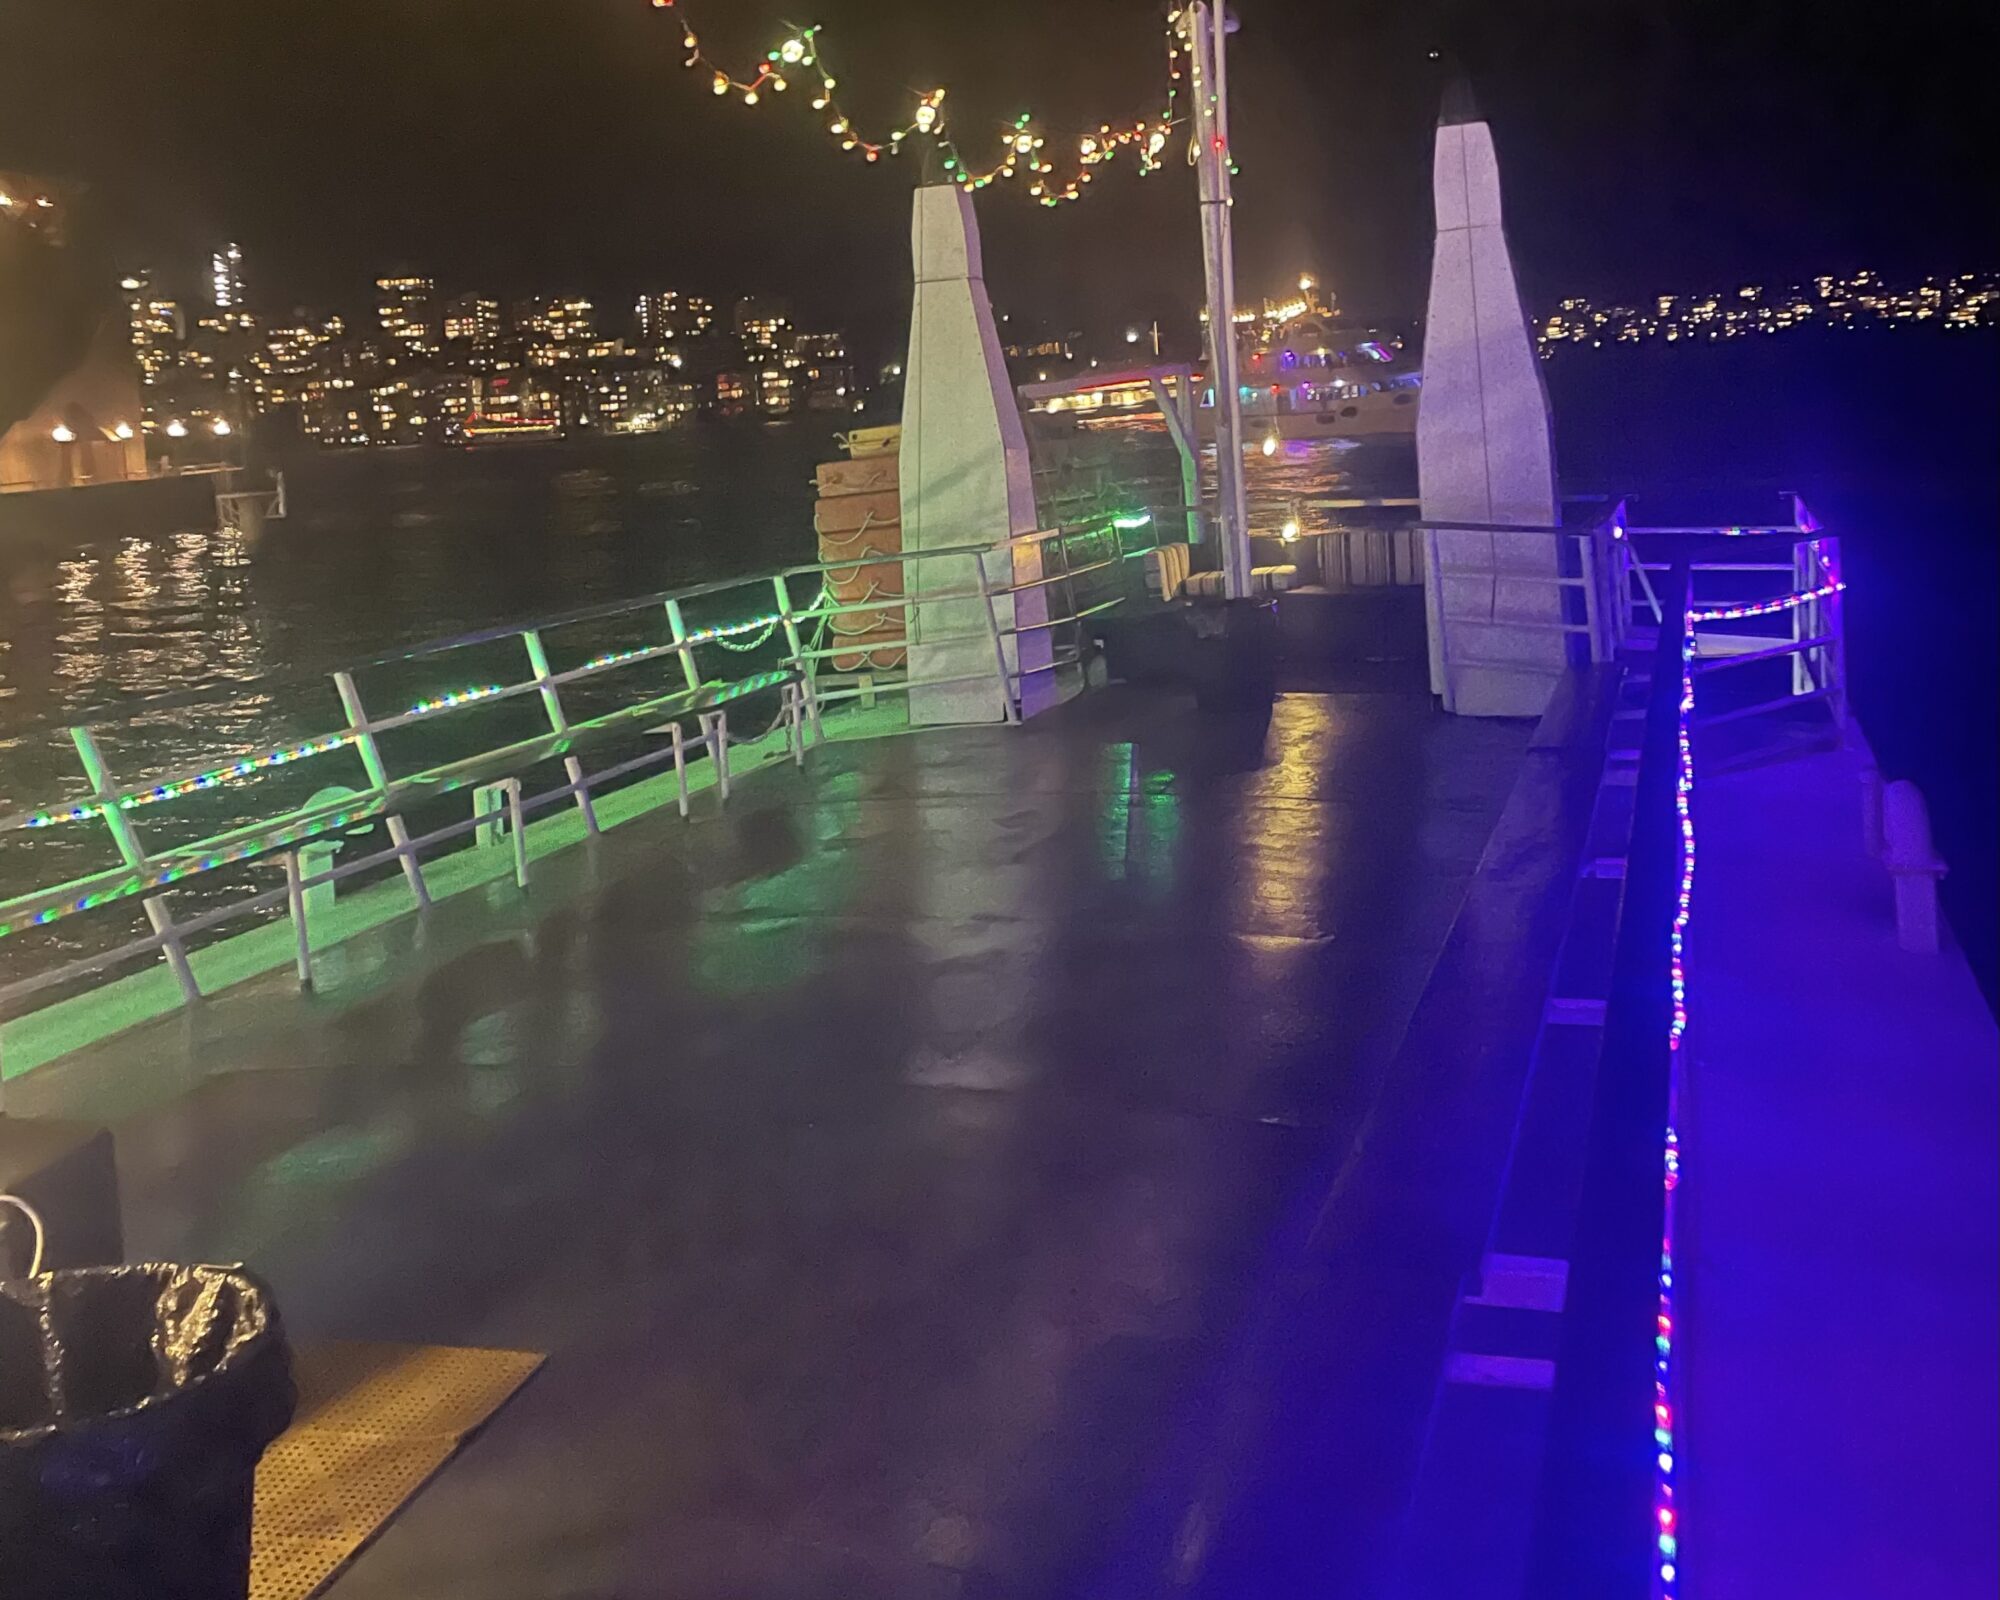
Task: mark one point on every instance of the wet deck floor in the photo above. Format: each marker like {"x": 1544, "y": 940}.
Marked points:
{"x": 880, "y": 1159}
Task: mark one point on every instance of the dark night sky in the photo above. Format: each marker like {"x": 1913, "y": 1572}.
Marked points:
{"x": 548, "y": 144}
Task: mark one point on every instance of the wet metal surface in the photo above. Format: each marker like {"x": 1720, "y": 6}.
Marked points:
{"x": 878, "y": 1160}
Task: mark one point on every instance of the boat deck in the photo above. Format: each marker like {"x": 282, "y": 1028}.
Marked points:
{"x": 883, "y": 1160}
{"x": 1842, "y": 1234}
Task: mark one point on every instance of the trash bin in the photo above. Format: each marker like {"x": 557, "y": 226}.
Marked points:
{"x": 1235, "y": 659}
{"x": 135, "y": 1402}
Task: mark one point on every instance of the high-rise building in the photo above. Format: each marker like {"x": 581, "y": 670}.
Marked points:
{"x": 473, "y": 320}
{"x": 294, "y": 353}
{"x": 667, "y": 314}
{"x": 763, "y": 324}
{"x": 158, "y": 328}
{"x": 558, "y": 329}
{"x": 225, "y": 278}
{"x": 407, "y": 308}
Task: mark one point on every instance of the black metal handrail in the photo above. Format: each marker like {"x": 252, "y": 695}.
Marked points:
{"x": 1595, "y": 1532}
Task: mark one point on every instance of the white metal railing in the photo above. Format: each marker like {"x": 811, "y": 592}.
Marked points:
{"x": 1586, "y": 583}
{"x": 1729, "y": 587}
{"x": 797, "y": 635}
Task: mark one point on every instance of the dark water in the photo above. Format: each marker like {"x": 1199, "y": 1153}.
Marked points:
{"x": 1891, "y": 439}
{"x": 1894, "y": 440}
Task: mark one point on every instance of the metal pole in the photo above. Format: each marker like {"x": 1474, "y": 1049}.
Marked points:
{"x": 133, "y": 853}
{"x": 1009, "y": 712}
{"x": 538, "y": 661}
{"x": 378, "y": 777}
{"x": 806, "y": 668}
{"x": 678, "y": 623}
{"x": 295, "y": 900}
{"x": 517, "y": 825}
{"x": 680, "y": 765}
{"x": 1208, "y": 27}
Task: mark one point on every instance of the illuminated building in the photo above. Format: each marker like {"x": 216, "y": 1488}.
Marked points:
{"x": 472, "y": 320}
{"x": 225, "y": 278}
{"x": 558, "y": 329}
{"x": 157, "y": 328}
{"x": 819, "y": 349}
{"x": 667, "y": 314}
{"x": 763, "y": 325}
{"x": 820, "y": 366}
{"x": 637, "y": 400}
{"x": 1968, "y": 300}
{"x": 775, "y": 391}
{"x": 407, "y": 309}
{"x": 293, "y": 353}
{"x": 511, "y": 406}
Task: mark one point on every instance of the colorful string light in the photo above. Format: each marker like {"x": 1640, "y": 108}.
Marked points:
{"x": 799, "y": 56}
{"x": 1766, "y": 608}
{"x": 762, "y": 627}
{"x": 168, "y": 876}
{"x": 1666, "y": 1511}
{"x": 452, "y": 701}
{"x": 212, "y": 779}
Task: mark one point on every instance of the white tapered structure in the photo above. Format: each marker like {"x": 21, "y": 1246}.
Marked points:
{"x": 965, "y": 480}
{"x": 1484, "y": 449}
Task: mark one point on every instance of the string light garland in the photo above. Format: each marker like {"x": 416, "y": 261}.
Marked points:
{"x": 1666, "y": 1511}
{"x": 452, "y": 701}
{"x": 168, "y": 876}
{"x": 1024, "y": 146}
{"x": 212, "y": 779}
{"x": 728, "y": 637}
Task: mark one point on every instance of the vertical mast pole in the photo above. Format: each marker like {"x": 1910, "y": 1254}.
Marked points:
{"x": 1207, "y": 28}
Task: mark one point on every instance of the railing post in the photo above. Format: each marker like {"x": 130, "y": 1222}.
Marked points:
{"x": 1804, "y": 618}
{"x": 795, "y": 727}
{"x": 133, "y": 854}
{"x": 715, "y": 734}
{"x": 1009, "y": 711}
{"x": 1592, "y": 601}
{"x": 538, "y": 661}
{"x": 683, "y": 649}
{"x": 793, "y": 643}
{"x": 1836, "y": 625}
{"x": 363, "y": 732}
{"x": 806, "y": 668}
{"x": 1440, "y": 654}
{"x": 680, "y": 764}
{"x": 295, "y": 901}
{"x": 518, "y": 827}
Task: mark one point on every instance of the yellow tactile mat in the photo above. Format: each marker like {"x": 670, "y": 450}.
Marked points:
{"x": 375, "y": 1421}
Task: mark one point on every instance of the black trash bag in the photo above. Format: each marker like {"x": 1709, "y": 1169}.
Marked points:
{"x": 135, "y": 1402}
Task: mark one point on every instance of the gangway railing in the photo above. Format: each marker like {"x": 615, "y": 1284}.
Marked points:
{"x": 1734, "y": 572}
{"x": 1582, "y": 592}
{"x": 792, "y": 639}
